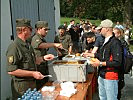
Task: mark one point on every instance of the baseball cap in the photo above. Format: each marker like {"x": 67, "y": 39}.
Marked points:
{"x": 61, "y": 27}
{"x": 23, "y": 23}
{"x": 41, "y": 24}
{"x": 105, "y": 23}
{"x": 98, "y": 28}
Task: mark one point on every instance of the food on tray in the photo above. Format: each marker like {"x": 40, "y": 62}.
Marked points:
{"x": 93, "y": 59}
{"x": 77, "y": 54}
{"x": 69, "y": 56}
{"x": 66, "y": 62}
{"x": 69, "y": 62}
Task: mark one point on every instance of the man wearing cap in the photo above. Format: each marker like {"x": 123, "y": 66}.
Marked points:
{"x": 40, "y": 48}
{"x": 109, "y": 60}
{"x": 66, "y": 41}
{"x": 21, "y": 60}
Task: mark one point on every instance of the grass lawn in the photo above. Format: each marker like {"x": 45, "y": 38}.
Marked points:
{"x": 66, "y": 19}
{"x": 95, "y": 22}
{"x": 131, "y": 48}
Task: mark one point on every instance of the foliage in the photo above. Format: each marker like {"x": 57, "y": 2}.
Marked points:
{"x": 131, "y": 48}
{"x": 94, "y": 9}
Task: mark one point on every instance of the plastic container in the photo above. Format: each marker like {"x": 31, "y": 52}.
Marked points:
{"x": 47, "y": 95}
{"x": 56, "y": 83}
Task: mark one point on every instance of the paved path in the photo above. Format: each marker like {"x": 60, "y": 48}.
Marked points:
{"x": 127, "y": 91}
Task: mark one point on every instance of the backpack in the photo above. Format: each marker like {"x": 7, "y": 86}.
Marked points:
{"x": 127, "y": 60}
{"x": 126, "y": 66}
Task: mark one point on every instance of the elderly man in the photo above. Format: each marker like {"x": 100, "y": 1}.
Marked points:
{"x": 109, "y": 60}
{"x": 40, "y": 48}
{"x": 21, "y": 60}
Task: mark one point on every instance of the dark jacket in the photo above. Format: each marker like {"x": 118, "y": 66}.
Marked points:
{"x": 111, "y": 48}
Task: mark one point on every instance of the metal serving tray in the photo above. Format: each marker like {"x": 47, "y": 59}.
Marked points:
{"x": 64, "y": 70}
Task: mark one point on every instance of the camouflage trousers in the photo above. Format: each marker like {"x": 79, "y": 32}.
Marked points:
{"x": 20, "y": 87}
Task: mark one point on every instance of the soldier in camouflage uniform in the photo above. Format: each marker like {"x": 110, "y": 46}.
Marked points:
{"x": 40, "y": 48}
{"x": 21, "y": 60}
{"x": 66, "y": 41}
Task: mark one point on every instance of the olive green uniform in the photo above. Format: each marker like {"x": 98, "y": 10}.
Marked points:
{"x": 20, "y": 55}
{"x": 37, "y": 39}
{"x": 66, "y": 43}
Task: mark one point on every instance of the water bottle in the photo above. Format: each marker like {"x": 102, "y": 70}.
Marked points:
{"x": 28, "y": 97}
{"x": 23, "y": 96}
{"x": 29, "y": 89}
{"x": 34, "y": 97}
{"x": 34, "y": 89}
{"x": 40, "y": 95}
{"x": 31, "y": 97}
{"x": 38, "y": 98}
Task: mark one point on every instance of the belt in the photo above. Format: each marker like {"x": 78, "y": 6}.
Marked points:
{"x": 26, "y": 79}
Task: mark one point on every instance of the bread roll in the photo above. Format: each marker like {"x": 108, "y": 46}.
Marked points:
{"x": 77, "y": 54}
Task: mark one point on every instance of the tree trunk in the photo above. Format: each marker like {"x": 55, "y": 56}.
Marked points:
{"x": 128, "y": 13}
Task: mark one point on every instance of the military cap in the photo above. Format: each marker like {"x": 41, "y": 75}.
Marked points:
{"x": 106, "y": 23}
{"x": 61, "y": 27}
{"x": 23, "y": 23}
{"x": 41, "y": 24}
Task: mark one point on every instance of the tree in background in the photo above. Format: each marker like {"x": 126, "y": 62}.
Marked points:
{"x": 116, "y": 10}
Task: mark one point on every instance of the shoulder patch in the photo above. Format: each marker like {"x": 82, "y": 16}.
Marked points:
{"x": 37, "y": 40}
{"x": 10, "y": 59}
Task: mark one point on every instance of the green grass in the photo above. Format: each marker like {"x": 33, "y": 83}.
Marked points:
{"x": 95, "y": 22}
{"x": 131, "y": 48}
{"x": 66, "y": 19}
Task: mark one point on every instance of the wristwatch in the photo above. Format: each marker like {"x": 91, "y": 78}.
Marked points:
{"x": 100, "y": 64}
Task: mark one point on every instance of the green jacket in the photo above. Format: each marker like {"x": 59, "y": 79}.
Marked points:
{"x": 37, "y": 39}
{"x": 20, "y": 55}
{"x": 65, "y": 40}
